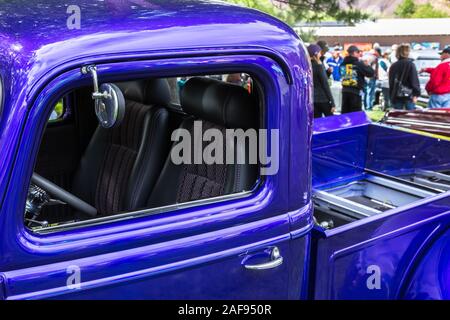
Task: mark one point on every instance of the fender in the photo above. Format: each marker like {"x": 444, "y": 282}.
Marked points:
{"x": 2, "y": 288}
{"x": 431, "y": 278}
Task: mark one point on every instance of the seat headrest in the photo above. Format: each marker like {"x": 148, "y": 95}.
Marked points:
{"x": 219, "y": 102}
{"x": 150, "y": 92}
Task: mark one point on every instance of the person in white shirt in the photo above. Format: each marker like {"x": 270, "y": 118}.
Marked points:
{"x": 393, "y": 56}
{"x": 383, "y": 77}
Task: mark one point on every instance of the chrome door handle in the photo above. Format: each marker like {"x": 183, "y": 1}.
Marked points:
{"x": 275, "y": 260}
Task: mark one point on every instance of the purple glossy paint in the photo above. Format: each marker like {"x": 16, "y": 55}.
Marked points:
{"x": 177, "y": 254}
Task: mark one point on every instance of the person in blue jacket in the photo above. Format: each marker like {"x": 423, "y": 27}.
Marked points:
{"x": 335, "y": 62}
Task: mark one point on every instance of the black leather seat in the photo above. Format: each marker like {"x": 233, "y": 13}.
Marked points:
{"x": 218, "y": 105}
{"x": 121, "y": 165}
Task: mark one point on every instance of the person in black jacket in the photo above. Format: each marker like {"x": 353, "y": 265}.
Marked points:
{"x": 404, "y": 85}
{"x": 353, "y": 72}
{"x": 324, "y": 49}
{"x": 323, "y": 99}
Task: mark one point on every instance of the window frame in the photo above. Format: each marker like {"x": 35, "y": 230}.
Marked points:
{"x": 260, "y": 202}
{"x": 133, "y": 214}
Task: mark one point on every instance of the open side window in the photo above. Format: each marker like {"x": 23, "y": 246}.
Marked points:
{"x": 182, "y": 141}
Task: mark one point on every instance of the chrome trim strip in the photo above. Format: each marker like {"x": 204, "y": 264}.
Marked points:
{"x": 141, "y": 213}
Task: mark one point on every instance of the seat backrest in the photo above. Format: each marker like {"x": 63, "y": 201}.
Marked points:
{"x": 120, "y": 166}
{"x": 218, "y": 105}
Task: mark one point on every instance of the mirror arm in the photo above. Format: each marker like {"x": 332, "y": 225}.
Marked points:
{"x": 96, "y": 95}
{"x": 109, "y": 100}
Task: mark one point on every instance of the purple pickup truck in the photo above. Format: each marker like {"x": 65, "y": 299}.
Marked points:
{"x": 100, "y": 197}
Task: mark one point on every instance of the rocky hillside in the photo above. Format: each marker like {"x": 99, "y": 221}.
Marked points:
{"x": 386, "y": 8}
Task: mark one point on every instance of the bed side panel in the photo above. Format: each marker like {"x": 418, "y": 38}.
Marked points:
{"x": 396, "y": 152}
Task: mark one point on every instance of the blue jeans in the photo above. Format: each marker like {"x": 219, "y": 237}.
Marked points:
{"x": 439, "y": 101}
{"x": 387, "y": 98}
{"x": 408, "y": 105}
{"x": 369, "y": 93}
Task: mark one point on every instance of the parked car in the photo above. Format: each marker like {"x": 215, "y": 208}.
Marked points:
{"x": 93, "y": 204}
{"x": 425, "y": 59}
{"x": 434, "y": 121}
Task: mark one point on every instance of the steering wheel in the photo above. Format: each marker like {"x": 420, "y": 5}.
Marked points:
{"x": 63, "y": 195}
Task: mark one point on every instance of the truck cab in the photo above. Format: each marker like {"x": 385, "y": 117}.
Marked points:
{"x": 103, "y": 195}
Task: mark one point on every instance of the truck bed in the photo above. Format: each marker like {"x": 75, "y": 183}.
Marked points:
{"x": 436, "y": 179}
{"x": 366, "y": 196}
{"x": 361, "y": 170}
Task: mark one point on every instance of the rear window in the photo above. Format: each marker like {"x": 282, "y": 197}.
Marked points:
{"x": 241, "y": 79}
{"x": 58, "y": 111}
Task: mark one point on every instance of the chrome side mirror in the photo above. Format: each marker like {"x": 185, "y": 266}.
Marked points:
{"x": 110, "y": 109}
{"x": 109, "y": 100}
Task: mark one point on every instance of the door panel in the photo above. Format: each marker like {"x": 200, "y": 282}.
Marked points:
{"x": 201, "y": 248}
{"x": 207, "y": 266}
{"x": 224, "y": 278}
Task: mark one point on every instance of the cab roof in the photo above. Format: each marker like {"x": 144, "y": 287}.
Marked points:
{"x": 36, "y": 32}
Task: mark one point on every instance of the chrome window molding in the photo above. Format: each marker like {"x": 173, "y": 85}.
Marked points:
{"x": 144, "y": 212}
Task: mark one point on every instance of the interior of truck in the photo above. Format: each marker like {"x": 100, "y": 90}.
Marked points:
{"x": 85, "y": 171}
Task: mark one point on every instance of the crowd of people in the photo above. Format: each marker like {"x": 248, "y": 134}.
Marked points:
{"x": 359, "y": 73}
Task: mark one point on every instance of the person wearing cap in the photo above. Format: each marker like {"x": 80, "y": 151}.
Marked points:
{"x": 324, "y": 56}
{"x": 323, "y": 99}
{"x": 335, "y": 62}
{"x": 353, "y": 71}
{"x": 438, "y": 87}
{"x": 404, "y": 85}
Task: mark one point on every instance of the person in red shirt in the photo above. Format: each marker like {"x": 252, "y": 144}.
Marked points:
{"x": 439, "y": 85}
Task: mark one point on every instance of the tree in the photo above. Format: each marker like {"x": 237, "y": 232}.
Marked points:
{"x": 263, "y": 5}
{"x": 428, "y": 11}
{"x": 319, "y": 10}
{"x": 266, "y": 6}
{"x": 292, "y": 11}
{"x": 406, "y": 9}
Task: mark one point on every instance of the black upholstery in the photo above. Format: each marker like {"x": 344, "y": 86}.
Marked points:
{"x": 222, "y": 103}
{"x": 220, "y": 106}
{"x": 120, "y": 166}
{"x": 155, "y": 92}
